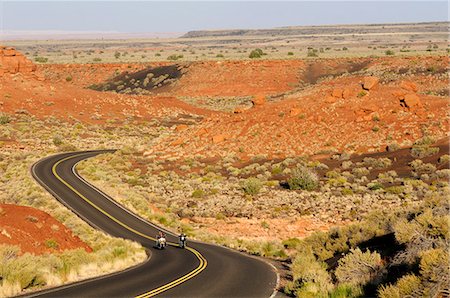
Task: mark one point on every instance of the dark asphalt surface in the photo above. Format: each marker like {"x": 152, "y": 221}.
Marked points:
{"x": 227, "y": 274}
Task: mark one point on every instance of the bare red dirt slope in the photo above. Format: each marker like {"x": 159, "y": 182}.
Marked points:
{"x": 35, "y": 231}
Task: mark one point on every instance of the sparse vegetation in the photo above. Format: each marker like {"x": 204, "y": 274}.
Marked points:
{"x": 303, "y": 178}
{"x": 41, "y": 59}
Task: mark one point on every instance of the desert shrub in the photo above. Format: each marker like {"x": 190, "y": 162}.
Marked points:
{"x": 345, "y": 291}
{"x": 310, "y": 277}
{"x": 377, "y": 163}
{"x": 51, "y": 243}
{"x": 312, "y": 53}
{"x": 359, "y": 172}
{"x": 359, "y": 268}
{"x": 41, "y": 59}
{"x": 419, "y": 167}
{"x": 219, "y": 56}
{"x": 4, "y": 119}
{"x": 303, "y": 178}
{"x": 361, "y": 93}
{"x": 392, "y": 147}
{"x": 374, "y": 185}
{"x": 198, "y": 193}
{"x": 256, "y": 53}
{"x": 422, "y": 232}
{"x": 422, "y": 147}
{"x": 174, "y": 57}
{"x": 57, "y": 140}
{"x": 423, "y": 151}
{"x": 69, "y": 78}
{"x": 291, "y": 243}
{"x": 444, "y": 159}
{"x": 252, "y": 186}
{"x": 290, "y": 54}
{"x": 396, "y": 189}
{"x": 117, "y": 55}
{"x": 97, "y": 59}
{"x": 67, "y": 148}
{"x": 404, "y": 287}
{"x": 389, "y": 53}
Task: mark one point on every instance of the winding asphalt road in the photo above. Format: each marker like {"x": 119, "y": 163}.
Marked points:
{"x": 202, "y": 270}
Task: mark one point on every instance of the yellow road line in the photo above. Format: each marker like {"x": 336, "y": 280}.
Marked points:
{"x": 202, "y": 261}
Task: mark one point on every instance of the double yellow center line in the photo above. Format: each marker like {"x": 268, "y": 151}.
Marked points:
{"x": 202, "y": 261}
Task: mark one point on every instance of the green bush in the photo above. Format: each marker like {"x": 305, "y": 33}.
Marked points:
{"x": 4, "y": 119}
{"x": 252, "y": 186}
{"x": 174, "y": 57}
{"x": 51, "y": 243}
{"x": 312, "y": 53}
{"x": 389, "y": 52}
{"x": 57, "y": 140}
{"x": 257, "y": 53}
{"x": 310, "y": 277}
{"x": 198, "y": 193}
{"x": 41, "y": 59}
{"x": 303, "y": 178}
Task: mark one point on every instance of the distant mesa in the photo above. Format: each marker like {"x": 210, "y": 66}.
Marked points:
{"x": 12, "y": 61}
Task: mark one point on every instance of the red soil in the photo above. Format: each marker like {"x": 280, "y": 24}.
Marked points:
{"x": 35, "y": 231}
{"x": 329, "y": 114}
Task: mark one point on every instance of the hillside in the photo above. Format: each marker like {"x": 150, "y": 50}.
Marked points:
{"x": 432, "y": 27}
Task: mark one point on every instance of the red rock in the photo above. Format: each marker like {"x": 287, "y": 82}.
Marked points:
{"x": 181, "y": 127}
{"x": 370, "y": 82}
{"x": 8, "y": 52}
{"x": 219, "y": 138}
{"x": 408, "y": 85}
{"x": 347, "y": 93}
{"x": 412, "y": 100}
{"x": 258, "y": 100}
{"x": 13, "y": 62}
{"x": 330, "y": 99}
{"x": 337, "y": 93}
{"x": 400, "y": 94}
{"x": 295, "y": 112}
{"x": 201, "y": 132}
{"x": 177, "y": 142}
{"x": 370, "y": 108}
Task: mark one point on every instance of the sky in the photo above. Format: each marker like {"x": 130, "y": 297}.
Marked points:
{"x": 183, "y": 16}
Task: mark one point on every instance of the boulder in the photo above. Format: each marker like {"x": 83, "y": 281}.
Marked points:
{"x": 370, "y": 83}
{"x": 219, "y": 138}
{"x": 347, "y": 93}
{"x": 181, "y": 127}
{"x": 295, "y": 112}
{"x": 408, "y": 85}
{"x": 411, "y": 100}
{"x": 330, "y": 99}
{"x": 258, "y": 100}
{"x": 337, "y": 93}
{"x": 13, "y": 62}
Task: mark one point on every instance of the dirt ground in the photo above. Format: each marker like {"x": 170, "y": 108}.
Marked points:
{"x": 294, "y": 107}
{"x": 35, "y": 231}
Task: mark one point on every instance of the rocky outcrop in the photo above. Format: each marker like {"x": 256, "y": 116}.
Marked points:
{"x": 370, "y": 83}
{"x": 12, "y": 61}
{"x": 258, "y": 100}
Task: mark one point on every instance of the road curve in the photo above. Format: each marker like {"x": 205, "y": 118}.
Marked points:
{"x": 203, "y": 270}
